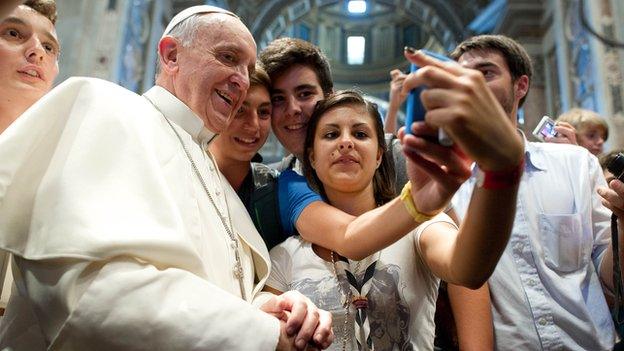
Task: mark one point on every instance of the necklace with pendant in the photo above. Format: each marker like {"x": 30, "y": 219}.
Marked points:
{"x": 238, "y": 267}
{"x": 345, "y": 305}
{"x": 357, "y": 295}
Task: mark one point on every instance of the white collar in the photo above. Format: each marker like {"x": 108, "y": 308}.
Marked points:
{"x": 177, "y": 112}
{"x": 533, "y": 156}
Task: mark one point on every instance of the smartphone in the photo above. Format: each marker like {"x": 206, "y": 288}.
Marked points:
{"x": 545, "y": 128}
{"x": 415, "y": 111}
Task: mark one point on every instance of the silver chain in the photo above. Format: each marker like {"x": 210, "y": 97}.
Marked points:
{"x": 238, "y": 267}
{"x": 346, "y": 304}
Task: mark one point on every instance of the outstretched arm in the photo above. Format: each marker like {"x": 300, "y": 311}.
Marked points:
{"x": 357, "y": 237}
{"x": 459, "y": 100}
{"x": 473, "y": 317}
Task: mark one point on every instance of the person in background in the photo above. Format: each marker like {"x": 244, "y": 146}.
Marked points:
{"x": 396, "y": 99}
{"x": 547, "y": 290}
{"x": 591, "y": 130}
{"x": 29, "y": 52}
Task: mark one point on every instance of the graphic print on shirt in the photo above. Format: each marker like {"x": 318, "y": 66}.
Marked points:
{"x": 388, "y": 313}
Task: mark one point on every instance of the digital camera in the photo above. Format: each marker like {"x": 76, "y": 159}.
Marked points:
{"x": 545, "y": 128}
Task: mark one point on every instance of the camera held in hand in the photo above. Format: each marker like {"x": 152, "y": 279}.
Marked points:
{"x": 415, "y": 111}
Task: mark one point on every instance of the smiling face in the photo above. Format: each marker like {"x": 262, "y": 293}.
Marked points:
{"x": 294, "y": 96}
{"x": 498, "y": 78}
{"x": 211, "y": 76}
{"x": 29, "y": 53}
{"x": 345, "y": 153}
{"x": 249, "y": 129}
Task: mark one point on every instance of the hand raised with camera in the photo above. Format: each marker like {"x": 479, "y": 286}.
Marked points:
{"x": 566, "y": 134}
{"x": 459, "y": 101}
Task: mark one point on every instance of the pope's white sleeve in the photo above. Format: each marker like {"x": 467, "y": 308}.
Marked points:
{"x": 124, "y": 304}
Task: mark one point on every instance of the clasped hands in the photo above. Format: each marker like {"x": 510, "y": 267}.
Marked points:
{"x": 303, "y": 326}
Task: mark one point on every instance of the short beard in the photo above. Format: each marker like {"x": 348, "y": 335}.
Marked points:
{"x": 508, "y": 102}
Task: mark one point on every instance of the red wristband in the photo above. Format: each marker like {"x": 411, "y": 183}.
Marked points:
{"x": 504, "y": 179}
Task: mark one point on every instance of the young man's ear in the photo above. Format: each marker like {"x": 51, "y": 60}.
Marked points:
{"x": 522, "y": 86}
{"x": 168, "y": 50}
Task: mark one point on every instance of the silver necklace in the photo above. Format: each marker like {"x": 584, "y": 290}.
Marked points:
{"x": 238, "y": 267}
{"x": 346, "y": 304}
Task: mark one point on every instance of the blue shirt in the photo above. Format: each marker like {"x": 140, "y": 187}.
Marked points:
{"x": 294, "y": 195}
{"x": 546, "y": 292}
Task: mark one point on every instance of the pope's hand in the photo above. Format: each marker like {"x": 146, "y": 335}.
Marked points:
{"x": 301, "y": 322}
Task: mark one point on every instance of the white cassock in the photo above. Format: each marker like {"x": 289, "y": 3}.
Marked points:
{"x": 117, "y": 246}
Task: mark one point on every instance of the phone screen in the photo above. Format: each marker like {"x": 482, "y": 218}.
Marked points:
{"x": 545, "y": 128}
{"x": 548, "y": 130}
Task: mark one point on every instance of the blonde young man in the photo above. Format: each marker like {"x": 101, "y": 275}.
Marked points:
{"x": 124, "y": 232}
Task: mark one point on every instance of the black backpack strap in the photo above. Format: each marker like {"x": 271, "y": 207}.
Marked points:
{"x": 265, "y": 204}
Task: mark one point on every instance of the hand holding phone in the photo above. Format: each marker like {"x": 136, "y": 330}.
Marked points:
{"x": 415, "y": 109}
{"x": 545, "y": 128}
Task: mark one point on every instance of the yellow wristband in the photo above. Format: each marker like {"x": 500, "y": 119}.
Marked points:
{"x": 406, "y": 197}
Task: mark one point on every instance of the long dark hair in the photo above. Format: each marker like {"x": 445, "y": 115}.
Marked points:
{"x": 383, "y": 180}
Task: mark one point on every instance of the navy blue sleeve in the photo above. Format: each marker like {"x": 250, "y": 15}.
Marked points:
{"x": 294, "y": 195}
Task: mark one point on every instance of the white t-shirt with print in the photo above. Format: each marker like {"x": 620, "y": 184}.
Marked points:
{"x": 401, "y": 301}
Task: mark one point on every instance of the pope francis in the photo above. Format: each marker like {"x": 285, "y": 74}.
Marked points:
{"x": 125, "y": 234}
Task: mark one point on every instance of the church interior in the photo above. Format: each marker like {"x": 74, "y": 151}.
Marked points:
{"x": 576, "y": 45}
